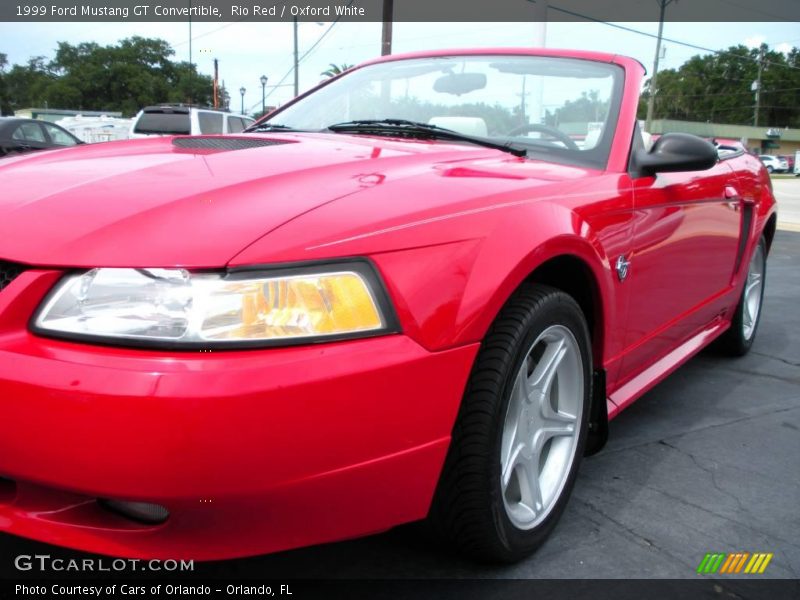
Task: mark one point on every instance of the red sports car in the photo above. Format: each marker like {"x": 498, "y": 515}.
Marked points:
{"x": 420, "y": 290}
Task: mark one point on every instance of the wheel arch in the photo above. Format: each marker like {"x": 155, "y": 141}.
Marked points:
{"x": 577, "y": 271}
{"x": 569, "y": 262}
{"x": 572, "y": 275}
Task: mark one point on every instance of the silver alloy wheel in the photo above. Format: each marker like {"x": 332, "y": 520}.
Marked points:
{"x": 541, "y": 428}
{"x": 752, "y": 293}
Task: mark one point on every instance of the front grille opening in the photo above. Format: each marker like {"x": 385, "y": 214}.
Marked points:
{"x": 9, "y": 272}
{"x": 141, "y": 512}
{"x": 8, "y": 489}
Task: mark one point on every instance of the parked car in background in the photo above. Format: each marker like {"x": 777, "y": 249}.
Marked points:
{"x": 172, "y": 119}
{"x": 18, "y": 135}
{"x": 774, "y": 164}
{"x": 789, "y": 158}
{"x": 395, "y": 297}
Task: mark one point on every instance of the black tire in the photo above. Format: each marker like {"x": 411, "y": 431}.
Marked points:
{"x": 735, "y": 342}
{"x": 769, "y": 170}
{"x": 468, "y": 508}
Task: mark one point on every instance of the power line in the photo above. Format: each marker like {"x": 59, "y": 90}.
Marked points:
{"x": 745, "y": 107}
{"x": 665, "y": 39}
{"x": 305, "y": 54}
{"x": 207, "y": 33}
{"x": 725, "y": 93}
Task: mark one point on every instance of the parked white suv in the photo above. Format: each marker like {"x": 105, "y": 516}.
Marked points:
{"x": 171, "y": 119}
{"x": 774, "y": 164}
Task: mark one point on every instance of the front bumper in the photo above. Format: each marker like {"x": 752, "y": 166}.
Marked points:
{"x": 250, "y": 451}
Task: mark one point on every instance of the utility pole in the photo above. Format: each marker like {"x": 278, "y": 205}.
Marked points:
{"x": 651, "y": 101}
{"x": 537, "y": 111}
{"x": 386, "y": 43}
{"x": 297, "y": 58}
{"x": 264, "y": 79}
{"x": 757, "y": 85}
{"x": 522, "y": 102}
{"x": 191, "y": 64}
{"x": 296, "y": 63}
{"x": 216, "y": 83}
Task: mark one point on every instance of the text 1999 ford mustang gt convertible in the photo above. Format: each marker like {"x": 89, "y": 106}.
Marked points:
{"x": 421, "y": 289}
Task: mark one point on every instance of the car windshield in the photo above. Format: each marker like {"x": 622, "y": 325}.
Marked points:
{"x": 557, "y": 109}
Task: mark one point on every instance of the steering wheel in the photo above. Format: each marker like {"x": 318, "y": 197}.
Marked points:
{"x": 546, "y": 129}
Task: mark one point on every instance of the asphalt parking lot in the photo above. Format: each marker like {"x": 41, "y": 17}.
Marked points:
{"x": 705, "y": 462}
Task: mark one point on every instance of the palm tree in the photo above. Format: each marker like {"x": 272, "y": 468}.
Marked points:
{"x": 336, "y": 70}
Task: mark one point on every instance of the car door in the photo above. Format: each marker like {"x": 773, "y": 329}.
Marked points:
{"x": 685, "y": 239}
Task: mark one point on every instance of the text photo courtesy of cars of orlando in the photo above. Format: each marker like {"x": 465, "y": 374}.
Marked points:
{"x": 302, "y": 272}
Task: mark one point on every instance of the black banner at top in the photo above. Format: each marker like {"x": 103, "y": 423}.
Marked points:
{"x": 403, "y": 10}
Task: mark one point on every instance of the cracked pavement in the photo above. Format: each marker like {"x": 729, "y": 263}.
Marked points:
{"x": 707, "y": 461}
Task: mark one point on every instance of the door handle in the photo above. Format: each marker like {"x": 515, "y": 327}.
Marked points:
{"x": 732, "y": 194}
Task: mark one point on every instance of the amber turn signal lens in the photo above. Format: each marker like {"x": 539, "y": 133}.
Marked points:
{"x": 299, "y": 306}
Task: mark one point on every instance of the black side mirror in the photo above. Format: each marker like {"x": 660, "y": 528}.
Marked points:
{"x": 676, "y": 152}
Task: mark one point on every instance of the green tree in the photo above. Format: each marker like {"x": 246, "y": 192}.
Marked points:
{"x": 335, "y": 70}
{"x": 27, "y": 85}
{"x": 588, "y": 108}
{"x": 717, "y": 88}
{"x": 4, "y": 106}
{"x": 124, "y": 77}
{"x": 136, "y": 72}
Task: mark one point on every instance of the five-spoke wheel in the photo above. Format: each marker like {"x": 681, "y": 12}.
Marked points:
{"x": 521, "y": 429}
{"x": 739, "y": 338}
{"x": 753, "y": 292}
{"x": 540, "y": 433}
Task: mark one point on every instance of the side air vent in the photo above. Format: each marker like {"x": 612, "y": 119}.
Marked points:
{"x": 222, "y": 144}
{"x": 9, "y": 272}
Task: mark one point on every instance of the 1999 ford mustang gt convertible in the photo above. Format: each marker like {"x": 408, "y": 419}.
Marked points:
{"x": 420, "y": 290}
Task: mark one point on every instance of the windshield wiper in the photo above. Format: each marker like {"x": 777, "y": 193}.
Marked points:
{"x": 405, "y": 126}
{"x": 270, "y": 127}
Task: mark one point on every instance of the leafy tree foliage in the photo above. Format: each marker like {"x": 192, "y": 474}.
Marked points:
{"x": 123, "y": 77}
{"x": 586, "y": 109}
{"x": 3, "y": 65}
{"x": 333, "y": 70}
{"x": 717, "y": 88}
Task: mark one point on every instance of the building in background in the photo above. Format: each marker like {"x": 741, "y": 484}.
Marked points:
{"x": 759, "y": 140}
{"x": 55, "y": 114}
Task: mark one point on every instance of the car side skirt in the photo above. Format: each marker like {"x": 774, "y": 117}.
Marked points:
{"x": 660, "y": 369}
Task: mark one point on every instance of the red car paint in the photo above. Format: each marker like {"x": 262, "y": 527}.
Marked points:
{"x": 257, "y": 451}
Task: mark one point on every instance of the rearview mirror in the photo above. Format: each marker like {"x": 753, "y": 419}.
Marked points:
{"x": 676, "y": 152}
{"x": 460, "y": 83}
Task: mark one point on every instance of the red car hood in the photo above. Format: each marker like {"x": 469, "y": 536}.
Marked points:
{"x": 149, "y": 203}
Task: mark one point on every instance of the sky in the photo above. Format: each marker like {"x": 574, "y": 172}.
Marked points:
{"x": 246, "y": 51}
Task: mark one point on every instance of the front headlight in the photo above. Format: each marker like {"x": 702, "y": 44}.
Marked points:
{"x": 179, "y": 308}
